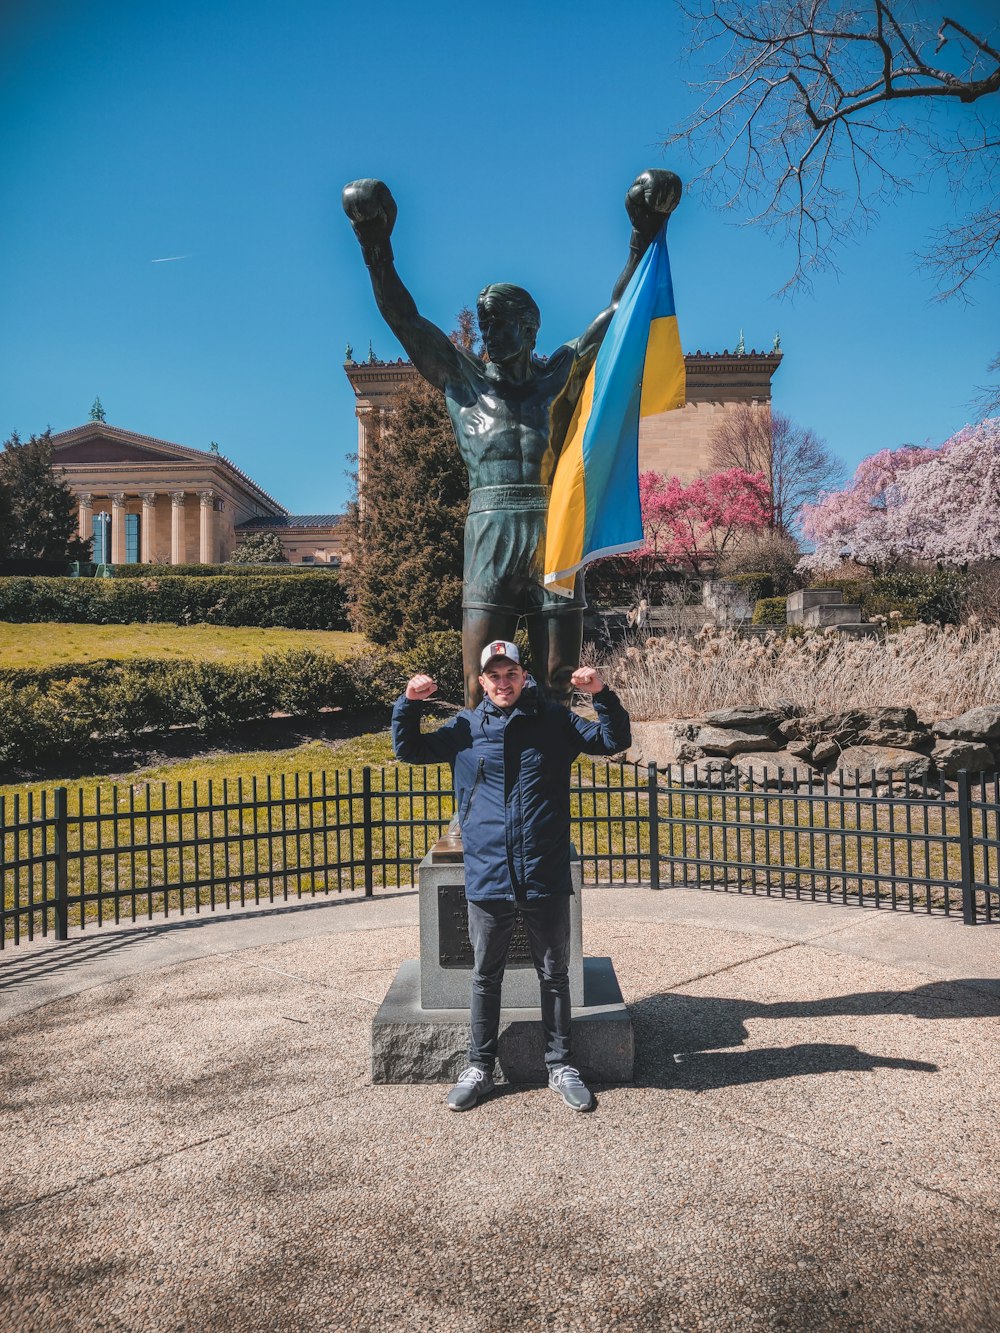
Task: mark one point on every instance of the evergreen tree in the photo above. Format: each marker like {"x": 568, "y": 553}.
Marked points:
{"x": 404, "y": 578}
{"x": 259, "y": 548}
{"x": 43, "y": 509}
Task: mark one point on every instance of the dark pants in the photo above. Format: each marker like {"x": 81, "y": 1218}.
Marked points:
{"x": 491, "y": 924}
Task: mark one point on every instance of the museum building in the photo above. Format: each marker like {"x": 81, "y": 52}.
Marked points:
{"x": 149, "y": 501}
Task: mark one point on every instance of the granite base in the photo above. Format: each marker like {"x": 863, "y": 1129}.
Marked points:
{"x": 415, "y": 1045}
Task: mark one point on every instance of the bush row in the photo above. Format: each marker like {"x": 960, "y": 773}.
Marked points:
{"x": 61, "y": 716}
{"x": 218, "y": 571}
{"x": 303, "y": 602}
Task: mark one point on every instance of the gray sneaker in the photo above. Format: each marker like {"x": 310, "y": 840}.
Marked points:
{"x": 473, "y": 1085}
{"x": 566, "y": 1080}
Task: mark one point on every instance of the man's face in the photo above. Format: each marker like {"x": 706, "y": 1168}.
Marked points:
{"x": 504, "y": 335}
{"x": 502, "y": 682}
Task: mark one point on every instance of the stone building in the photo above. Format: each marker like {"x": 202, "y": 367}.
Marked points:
{"x": 149, "y": 501}
{"x": 677, "y": 443}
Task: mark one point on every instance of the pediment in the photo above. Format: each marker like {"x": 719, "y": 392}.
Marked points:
{"x": 100, "y": 450}
{"x": 94, "y": 445}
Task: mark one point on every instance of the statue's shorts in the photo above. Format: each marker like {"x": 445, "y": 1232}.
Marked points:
{"x": 504, "y": 549}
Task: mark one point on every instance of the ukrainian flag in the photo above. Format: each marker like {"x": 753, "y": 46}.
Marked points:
{"x": 639, "y": 372}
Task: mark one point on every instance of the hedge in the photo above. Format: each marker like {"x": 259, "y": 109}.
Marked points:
{"x": 63, "y": 715}
{"x": 218, "y": 571}
{"x": 771, "y": 611}
{"x": 303, "y": 602}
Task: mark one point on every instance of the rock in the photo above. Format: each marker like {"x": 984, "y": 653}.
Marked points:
{"x": 882, "y": 762}
{"x": 898, "y": 740}
{"x": 791, "y": 729}
{"x": 978, "y": 724}
{"x": 952, "y": 756}
{"x": 653, "y": 743}
{"x": 799, "y": 749}
{"x": 695, "y": 739}
{"x": 849, "y": 726}
{"x": 778, "y": 768}
{"x": 746, "y": 719}
{"x": 825, "y": 751}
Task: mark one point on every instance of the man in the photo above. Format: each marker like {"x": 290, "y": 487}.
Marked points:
{"x": 511, "y": 757}
{"x": 510, "y": 417}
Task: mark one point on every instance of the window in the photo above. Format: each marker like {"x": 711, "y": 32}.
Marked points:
{"x": 308, "y": 560}
{"x": 132, "y": 524}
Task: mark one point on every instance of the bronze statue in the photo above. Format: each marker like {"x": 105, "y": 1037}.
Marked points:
{"x": 510, "y": 417}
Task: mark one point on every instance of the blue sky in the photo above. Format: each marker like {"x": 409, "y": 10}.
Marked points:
{"x": 508, "y": 134}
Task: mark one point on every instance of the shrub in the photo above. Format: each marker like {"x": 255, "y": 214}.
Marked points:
{"x": 771, "y": 611}
{"x": 303, "y": 682}
{"x": 303, "y": 602}
{"x": 935, "y": 598}
{"x": 39, "y": 725}
{"x": 216, "y": 571}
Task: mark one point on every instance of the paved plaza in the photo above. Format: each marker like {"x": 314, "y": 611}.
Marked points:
{"x": 191, "y": 1141}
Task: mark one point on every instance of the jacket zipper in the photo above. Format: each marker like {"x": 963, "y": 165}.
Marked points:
{"x": 472, "y": 794}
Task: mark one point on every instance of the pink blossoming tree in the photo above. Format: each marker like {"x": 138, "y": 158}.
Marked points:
{"x": 936, "y": 505}
{"x": 695, "y": 525}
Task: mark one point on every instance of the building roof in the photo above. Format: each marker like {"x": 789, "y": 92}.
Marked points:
{"x": 294, "y": 521}
{"x": 118, "y": 434}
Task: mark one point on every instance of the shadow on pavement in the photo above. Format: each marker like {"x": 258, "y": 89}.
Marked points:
{"x": 687, "y": 1040}
{"x": 52, "y": 958}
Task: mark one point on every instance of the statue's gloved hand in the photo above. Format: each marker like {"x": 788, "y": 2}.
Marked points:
{"x": 372, "y": 212}
{"x": 651, "y": 198}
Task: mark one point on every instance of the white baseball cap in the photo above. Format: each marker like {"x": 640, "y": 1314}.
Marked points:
{"x": 499, "y": 648}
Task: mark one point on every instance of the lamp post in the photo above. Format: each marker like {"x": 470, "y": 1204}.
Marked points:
{"x": 101, "y": 555}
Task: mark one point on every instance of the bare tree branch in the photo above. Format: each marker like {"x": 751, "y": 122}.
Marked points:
{"x": 809, "y": 116}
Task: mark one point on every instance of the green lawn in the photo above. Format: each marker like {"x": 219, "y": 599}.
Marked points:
{"x": 45, "y": 645}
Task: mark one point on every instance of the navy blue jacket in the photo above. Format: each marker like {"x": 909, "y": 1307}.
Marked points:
{"x": 512, "y": 772}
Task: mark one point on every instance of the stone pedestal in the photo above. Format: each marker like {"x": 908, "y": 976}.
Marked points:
{"x": 411, "y": 1044}
{"x": 421, "y": 1031}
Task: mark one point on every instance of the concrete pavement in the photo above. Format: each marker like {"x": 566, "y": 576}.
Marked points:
{"x": 191, "y": 1139}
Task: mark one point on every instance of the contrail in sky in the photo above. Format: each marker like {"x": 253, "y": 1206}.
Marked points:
{"x": 170, "y": 259}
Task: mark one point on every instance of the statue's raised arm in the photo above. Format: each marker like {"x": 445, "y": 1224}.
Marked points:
{"x": 372, "y": 212}
{"x": 651, "y": 198}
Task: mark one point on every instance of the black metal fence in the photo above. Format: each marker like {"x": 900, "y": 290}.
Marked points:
{"x": 87, "y": 857}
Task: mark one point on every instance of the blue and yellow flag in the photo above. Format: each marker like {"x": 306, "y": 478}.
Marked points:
{"x": 639, "y": 372}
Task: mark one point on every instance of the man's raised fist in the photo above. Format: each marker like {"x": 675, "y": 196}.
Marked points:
{"x": 651, "y": 198}
{"x": 372, "y": 211}
{"x": 420, "y": 687}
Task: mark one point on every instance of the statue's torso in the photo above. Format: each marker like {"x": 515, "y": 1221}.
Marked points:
{"x": 513, "y": 432}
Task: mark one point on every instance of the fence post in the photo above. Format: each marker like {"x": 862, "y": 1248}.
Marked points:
{"x": 966, "y": 847}
{"x": 654, "y": 827}
{"x": 62, "y": 863}
{"x": 366, "y": 816}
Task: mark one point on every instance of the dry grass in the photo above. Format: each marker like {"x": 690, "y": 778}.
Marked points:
{"x": 46, "y": 645}
{"x": 939, "y": 672}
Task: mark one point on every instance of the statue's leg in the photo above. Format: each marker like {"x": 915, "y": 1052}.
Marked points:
{"x": 556, "y": 640}
{"x": 479, "y": 626}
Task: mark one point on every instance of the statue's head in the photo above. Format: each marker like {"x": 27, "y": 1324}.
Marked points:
{"x": 508, "y": 320}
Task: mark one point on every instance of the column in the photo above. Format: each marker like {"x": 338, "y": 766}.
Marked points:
{"x": 147, "y": 528}
{"x": 118, "y": 528}
{"x": 177, "y": 528}
{"x": 86, "y": 502}
{"x": 206, "y": 545}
